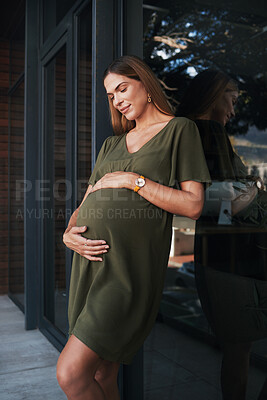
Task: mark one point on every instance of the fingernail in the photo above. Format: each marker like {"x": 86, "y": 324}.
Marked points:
{"x": 106, "y": 247}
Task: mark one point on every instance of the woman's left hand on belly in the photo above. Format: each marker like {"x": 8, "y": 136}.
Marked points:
{"x": 118, "y": 179}
{"x": 88, "y": 248}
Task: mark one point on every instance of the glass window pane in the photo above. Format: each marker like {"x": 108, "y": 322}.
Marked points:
{"x": 17, "y": 52}
{"x": 54, "y": 189}
{"x": 53, "y": 12}
{"x": 16, "y": 193}
{"x": 182, "y": 39}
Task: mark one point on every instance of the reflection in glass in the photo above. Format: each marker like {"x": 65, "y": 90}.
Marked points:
{"x": 230, "y": 254}
{"x": 53, "y": 191}
{"x": 188, "y": 37}
{"x": 16, "y": 194}
{"x": 182, "y": 39}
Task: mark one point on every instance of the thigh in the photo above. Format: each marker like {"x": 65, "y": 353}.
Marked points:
{"x": 78, "y": 359}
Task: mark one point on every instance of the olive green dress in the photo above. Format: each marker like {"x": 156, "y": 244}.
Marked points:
{"x": 113, "y": 304}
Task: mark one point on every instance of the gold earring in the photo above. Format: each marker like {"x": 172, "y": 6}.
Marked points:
{"x": 149, "y": 98}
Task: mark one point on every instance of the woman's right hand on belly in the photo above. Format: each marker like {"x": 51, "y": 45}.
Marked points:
{"x": 88, "y": 248}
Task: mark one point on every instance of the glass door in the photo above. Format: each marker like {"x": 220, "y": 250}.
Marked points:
{"x": 53, "y": 190}
{"x": 66, "y": 162}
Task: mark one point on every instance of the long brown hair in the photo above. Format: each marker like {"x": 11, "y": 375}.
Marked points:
{"x": 134, "y": 68}
{"x": 203, "y": 91}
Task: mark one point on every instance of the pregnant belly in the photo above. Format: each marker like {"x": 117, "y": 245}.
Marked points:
{"x": 111, "y": 211}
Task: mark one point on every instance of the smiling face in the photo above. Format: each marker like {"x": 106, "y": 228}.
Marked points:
{"x": 127, "y": 95}
{"x": 223, "y": 108}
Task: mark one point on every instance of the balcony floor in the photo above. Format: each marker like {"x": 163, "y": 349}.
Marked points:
{"x": 189, "y": 371}
{"x": 27, "y": 359}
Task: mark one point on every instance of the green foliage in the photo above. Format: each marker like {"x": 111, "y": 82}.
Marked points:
{"x": 191, "y": 36}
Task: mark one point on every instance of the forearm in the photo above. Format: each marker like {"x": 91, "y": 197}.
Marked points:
{"x": 244, "y": 200}
{"x": 187, "y": 202}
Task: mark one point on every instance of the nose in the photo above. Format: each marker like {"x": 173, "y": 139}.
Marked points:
{"x": 232, "y": 112}
{"x": 117, "y": 100}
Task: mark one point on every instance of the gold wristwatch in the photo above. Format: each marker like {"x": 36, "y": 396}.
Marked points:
{"x": 139, "y": 182}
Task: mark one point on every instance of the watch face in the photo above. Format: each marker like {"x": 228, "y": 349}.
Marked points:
{"x": 140, "y": 182}
{"x": 259, "y": 184}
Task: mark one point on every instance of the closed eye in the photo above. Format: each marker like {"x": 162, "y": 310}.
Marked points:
{"x": 122, "y": 91}
{"x": 111, "y": 97}
{"x": 234, "y": 100}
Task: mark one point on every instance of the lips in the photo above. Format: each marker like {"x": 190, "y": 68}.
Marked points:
{"x": 123, "y": 110}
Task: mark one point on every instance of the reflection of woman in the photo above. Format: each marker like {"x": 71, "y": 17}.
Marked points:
{"x": 121, "y": 232}
{"x": 235, "y": 313}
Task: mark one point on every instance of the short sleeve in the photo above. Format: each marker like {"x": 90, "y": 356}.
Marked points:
{"x": 189, "y": 162}
{"x": 100, "y": 158}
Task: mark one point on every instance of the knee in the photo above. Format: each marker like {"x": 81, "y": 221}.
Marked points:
{"x": 107, "y": 374}
{"x": 64, "y": 376}
{"x": 68, "y": 377}
{"x": 103, "y": 377}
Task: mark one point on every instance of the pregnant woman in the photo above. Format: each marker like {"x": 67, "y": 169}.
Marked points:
{"x": 153, "y": 168}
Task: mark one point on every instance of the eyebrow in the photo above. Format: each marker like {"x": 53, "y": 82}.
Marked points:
{"x": 117, "y": 87}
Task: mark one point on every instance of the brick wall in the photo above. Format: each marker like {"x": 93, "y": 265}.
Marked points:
{"x": 4, "y": 83}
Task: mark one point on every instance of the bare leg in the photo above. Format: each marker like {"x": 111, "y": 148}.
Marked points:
{"x": 234, "y": 372}
{"x": 76, "y": 369}
{"x": 106, "y": 375}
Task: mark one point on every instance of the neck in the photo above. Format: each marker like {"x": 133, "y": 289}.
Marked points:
{"x": 150, "y": 116}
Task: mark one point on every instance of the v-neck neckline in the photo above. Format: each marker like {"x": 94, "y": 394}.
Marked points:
{"x": 151, "y": 139}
